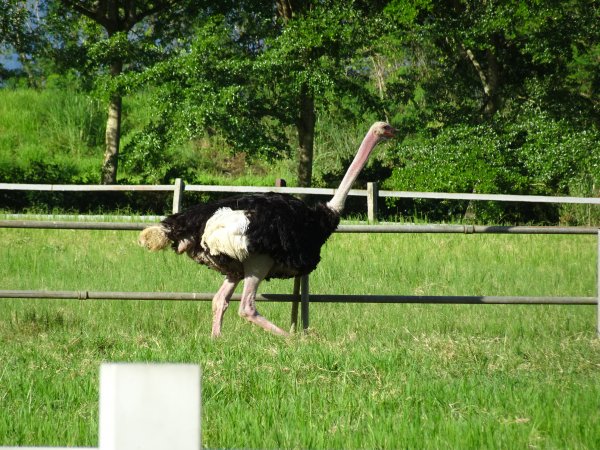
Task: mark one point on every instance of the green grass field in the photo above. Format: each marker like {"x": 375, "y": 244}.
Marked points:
{"x": 365, "y": 376}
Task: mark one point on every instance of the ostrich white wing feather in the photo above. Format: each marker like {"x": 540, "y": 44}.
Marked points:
{"x": 225, "y": 233}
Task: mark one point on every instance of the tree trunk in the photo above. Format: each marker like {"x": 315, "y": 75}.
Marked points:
{"x": 305, "y": 122}
{"x": 32, "y": 80}
{"x": 306, "y": 136}
{"x": 113, "y": 133}
{"x": 490, "y": 80}
{"x": 287, "y": 8}
{"x": 493, "y": 80}
{"x": 284, "y": 9}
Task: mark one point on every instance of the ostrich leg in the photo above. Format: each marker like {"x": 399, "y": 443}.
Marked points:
{"x": 256, "y": 268}
{"x": 220, "y": 303}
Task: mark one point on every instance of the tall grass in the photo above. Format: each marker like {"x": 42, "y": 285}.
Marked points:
{"x": 49, "y": 136}
{"x": 365, "y": 376}
{"x": 53, "y": 121}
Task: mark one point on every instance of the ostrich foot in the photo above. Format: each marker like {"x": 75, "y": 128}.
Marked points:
{"x": 255, "y": 318}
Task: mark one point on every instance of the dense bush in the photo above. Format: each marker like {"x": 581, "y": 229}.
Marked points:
{"x": 536, "y": 155}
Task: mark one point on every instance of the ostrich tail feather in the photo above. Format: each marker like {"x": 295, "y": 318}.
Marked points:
{"x": 154, "y": 238}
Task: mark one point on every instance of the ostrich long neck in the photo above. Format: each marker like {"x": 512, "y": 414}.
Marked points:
{"x": 365, "y": 149}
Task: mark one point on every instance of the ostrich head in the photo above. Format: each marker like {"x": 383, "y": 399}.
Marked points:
{"x": 383, "y": 130}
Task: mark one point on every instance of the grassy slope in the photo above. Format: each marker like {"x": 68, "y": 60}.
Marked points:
{"x": 365, "y": 376}
{"x": 51, "y": 126}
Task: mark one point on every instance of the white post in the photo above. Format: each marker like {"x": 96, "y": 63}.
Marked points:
{"x": 372, "y": 195}
{"x": 178, "y": 195}
{"x": 149, "y": 407}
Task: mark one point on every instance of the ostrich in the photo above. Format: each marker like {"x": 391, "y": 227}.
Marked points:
{"x": 258, "y": 236}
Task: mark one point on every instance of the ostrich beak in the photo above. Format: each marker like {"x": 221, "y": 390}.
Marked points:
{"x": 389, "y": 132}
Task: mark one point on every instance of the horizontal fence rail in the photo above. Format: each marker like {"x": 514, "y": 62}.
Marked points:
{"x": 382, "y": 228}
{"x": 87, "y": 187}
{"x": 463, "y": 229}
{"x": 295, "y": 190}
{"x": 314, "y": 298}
{"x": 372, "y": 193}
{"x": 491, "y": 197}
{"x": 70, "y": 225}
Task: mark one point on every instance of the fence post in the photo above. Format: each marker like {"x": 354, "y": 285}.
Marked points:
{"x": 304, "y": 301}
{"x": 295, "y": 304}
{"x": 149, "y": 406}
{"x": 598, "y": 290}
{"x": 280, "y": 182}
{"x": 178, "y": 195}
{"x": 372, "y": 195}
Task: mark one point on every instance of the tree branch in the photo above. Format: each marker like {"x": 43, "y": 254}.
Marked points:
{"x": 100, "y": 13}
{"x": 160, "y": 6}
{"x": 94, "y": 14}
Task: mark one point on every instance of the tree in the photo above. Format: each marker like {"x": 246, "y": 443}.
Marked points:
{"x": 308, "y": 62}
{"x": 208, "y": 88}
{"x": 19, "y": 34}
{"x": 250, "y": 77}
{"x": 475, "y": 59}
{"x": 127, "y": 30}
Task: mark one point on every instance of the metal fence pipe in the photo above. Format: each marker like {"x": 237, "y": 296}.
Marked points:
{"x": 383, "y": 228}
{"x": 463, "y": 229}
{"x": 118, "y": 295}
{"x": 451, "y": 299}
{"x": 60, "y": 225}
{"x": 304, "y": 301}
{"x": 315, "y": 298}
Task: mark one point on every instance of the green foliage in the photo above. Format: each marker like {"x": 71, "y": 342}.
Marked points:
{"x": 536, "y": 155}
{"x": 555, "y": 154}
{"x": 247, "y": 86}
{"x": 463, "y": 57}
{"x": 584, "y": 73}
{"x": 209, "y": 89}
{"x": 497, "y": 97}
{"x": 312, "y": 53}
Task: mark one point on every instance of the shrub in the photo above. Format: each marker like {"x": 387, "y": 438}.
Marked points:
{"x": 535, "y": 155}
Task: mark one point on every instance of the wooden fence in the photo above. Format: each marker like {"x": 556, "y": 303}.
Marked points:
{"x": 371, "y": 194}
{"x": 301, "y": 295}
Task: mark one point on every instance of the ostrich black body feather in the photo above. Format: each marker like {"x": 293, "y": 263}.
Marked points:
{"x": 281, "y": 226}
